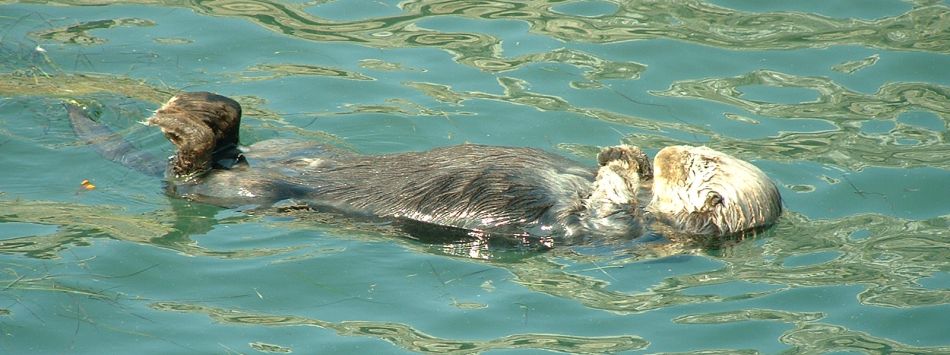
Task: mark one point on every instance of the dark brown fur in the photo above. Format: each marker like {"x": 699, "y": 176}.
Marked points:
{"x": 485, "y": 190}
{"x": 204, "y": 127}
{"x": 504, "y": 190}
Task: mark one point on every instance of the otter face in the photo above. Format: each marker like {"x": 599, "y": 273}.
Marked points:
{"x": 705, "y": 192}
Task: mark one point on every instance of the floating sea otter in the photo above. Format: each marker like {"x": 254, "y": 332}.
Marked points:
{"x": 481, "y": 190}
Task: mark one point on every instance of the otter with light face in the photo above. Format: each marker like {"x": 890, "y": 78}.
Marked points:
{"x": 480, "y": 190}
{"x": 700, "y": 191}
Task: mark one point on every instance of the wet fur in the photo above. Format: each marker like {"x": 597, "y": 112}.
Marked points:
{"x": 205, "y": 129}
{"x": 489, "y": 189}
{"x": 700, "y": 191}
{"x": 482, "y": 189}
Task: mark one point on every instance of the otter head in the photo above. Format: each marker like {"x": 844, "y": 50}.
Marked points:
{"x": 204, "y": 128}
{"x": 701, "y": 191}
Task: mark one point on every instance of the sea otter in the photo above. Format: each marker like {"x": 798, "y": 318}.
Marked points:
{"x": 483, "y": 190}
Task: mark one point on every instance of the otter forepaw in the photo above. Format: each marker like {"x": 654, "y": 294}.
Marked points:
{"x": 632, "y": 156}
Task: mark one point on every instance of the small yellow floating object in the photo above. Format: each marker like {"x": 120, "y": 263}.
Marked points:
{"x": 86, "y": 185}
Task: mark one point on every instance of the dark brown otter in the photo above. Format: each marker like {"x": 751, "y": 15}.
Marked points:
{"x": 487, "y": 190}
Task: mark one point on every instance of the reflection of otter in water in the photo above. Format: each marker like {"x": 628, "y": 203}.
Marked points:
{"x": 482, "y": 189}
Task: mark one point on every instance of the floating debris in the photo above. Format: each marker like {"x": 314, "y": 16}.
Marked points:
{"x": 855, "y": 65}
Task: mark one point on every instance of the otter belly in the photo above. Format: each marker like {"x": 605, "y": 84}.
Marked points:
{"x": 515, "y": 190}
{"x": 505, "y": 190}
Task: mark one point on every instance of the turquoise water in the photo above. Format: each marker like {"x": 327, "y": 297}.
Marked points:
{"x": 845, "y": 104}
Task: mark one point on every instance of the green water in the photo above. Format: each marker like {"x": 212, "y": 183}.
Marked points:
{"x": 845, "y": 104}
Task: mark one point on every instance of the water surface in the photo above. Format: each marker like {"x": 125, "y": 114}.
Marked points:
{"x": 846, "y": 105}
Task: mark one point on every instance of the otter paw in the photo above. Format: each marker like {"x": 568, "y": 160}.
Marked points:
{"x": 204, "y": 127}
{"x": 631, "y": 155}
{"x": 193, "y": 116}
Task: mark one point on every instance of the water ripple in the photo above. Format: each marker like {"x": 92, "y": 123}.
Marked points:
{"x": 835, "y": 102}
{"x": 880, "y": 262}
{"x": 78, "y": 34}
{"x": 82, "y": 224}
{"x": 823, "y": 338}
{"x": 923, "y": 28}
{"x": 412, "y": 339}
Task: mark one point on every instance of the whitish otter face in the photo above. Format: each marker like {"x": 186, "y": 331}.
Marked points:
{"x": 702, "y": 191}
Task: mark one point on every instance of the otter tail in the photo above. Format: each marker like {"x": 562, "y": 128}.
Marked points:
{"x": 111, "y": 146}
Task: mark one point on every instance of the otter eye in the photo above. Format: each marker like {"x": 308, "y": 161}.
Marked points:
{"x": 713, "y": 199}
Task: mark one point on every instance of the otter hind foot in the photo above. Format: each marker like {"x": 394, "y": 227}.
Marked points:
{"x": 204, "y": 127}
